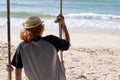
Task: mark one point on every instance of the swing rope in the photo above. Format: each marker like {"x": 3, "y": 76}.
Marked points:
{"x": 9, "y": 67}
{"x": 60, "y": 35}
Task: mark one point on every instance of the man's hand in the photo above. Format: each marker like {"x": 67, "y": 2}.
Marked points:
{"x": 9, "y": 67}
{"x": 60, "y": 19}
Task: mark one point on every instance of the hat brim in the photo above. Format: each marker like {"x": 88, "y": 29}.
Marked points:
{"x": 30, "y": 27}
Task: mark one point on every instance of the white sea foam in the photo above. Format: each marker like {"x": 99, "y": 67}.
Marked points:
{"x": 77, "y": 21}
{"x": 93, "y": 16}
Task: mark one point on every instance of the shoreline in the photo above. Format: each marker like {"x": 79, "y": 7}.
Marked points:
{"x": 76, "y": 35}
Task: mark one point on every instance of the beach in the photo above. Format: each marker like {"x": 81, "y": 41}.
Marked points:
{"x": 94, "y": 27}
{"x": 92, "y": 55}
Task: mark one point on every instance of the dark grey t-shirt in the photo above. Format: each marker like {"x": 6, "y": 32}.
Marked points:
{"x": 40, "y": 59}
{"x": 59, "y": 44}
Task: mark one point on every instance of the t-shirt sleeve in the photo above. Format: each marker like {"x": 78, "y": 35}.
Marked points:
{"x": 60, "y": 44}
{"x": 17, "y": 61}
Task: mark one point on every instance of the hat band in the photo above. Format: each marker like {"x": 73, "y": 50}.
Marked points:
{"x": 30, "y": 27}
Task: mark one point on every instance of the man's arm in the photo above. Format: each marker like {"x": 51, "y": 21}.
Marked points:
{"x": 65, "y": 31}
{"x": 18, "y": 73}
{"x": 60, "y": 19}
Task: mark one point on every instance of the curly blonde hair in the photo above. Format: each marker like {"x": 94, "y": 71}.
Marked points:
{"x": 31, "y": 34}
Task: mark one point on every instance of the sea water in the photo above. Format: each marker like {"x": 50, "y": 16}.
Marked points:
{"x": 79, "y": 14}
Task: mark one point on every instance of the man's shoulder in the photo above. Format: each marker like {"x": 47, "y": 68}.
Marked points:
{"x": 21, "y": 44}
{"x": 50, "y": 37}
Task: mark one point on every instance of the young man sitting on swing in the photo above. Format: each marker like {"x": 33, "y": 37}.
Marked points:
{"x": 38, "y": 55}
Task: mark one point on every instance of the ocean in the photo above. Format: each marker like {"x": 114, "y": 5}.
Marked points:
{"x": 79, "y": 14}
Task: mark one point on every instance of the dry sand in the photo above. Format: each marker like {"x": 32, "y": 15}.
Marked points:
{"x": 92, "y": 55}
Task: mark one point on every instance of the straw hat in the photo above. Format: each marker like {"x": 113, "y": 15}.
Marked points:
{"x": 32, "y": 22}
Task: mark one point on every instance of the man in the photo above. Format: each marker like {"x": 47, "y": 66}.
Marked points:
{"x": 38, "y": 55}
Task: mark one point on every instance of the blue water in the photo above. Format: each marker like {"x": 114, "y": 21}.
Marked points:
{"x": 50, "y": 7}
{"x": 103, "y": 14}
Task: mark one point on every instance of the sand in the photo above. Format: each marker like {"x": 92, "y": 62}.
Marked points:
{"x": 92, "y": 55}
